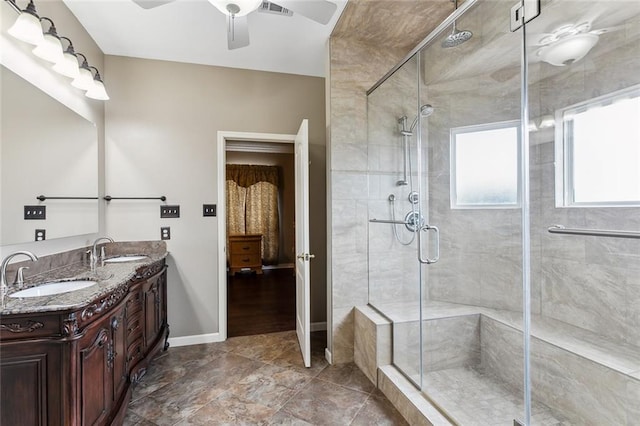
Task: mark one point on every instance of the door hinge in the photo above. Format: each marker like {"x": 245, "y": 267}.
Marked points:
{"x": 524, "y": 12}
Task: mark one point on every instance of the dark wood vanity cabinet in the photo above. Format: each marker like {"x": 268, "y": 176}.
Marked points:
{"x": 77, "y": 368}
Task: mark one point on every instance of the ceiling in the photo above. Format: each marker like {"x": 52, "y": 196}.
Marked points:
{"x": 194, "y": 31}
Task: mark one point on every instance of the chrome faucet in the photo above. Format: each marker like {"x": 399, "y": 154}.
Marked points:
{"x": 4, "y": 286}
{"x": 94, "y": 252}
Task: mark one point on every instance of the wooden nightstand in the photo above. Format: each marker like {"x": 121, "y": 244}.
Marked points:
{"x": 245, "y": 253}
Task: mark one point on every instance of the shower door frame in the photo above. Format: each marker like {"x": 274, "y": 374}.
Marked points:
{"x": 524, "y": 184}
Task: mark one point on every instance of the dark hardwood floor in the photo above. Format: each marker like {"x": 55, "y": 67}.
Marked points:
{"x": 258, "y": 304}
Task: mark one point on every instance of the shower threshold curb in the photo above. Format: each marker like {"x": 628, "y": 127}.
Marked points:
{"x": 408, "y": 400}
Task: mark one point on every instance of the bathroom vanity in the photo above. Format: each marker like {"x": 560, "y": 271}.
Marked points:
{"x": 72, "y": 358}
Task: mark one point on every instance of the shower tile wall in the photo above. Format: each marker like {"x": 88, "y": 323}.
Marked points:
{"x": 354, "y": 68}
{"x": 393, "y": 267}
{"x": 589, "y": 282}
{"x": 477, "y": 82}
{"x": 369, "y": 39}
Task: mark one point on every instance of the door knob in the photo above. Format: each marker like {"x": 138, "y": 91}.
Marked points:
{"x": 306, "y": 256}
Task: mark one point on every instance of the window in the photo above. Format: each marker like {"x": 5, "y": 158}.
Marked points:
{"x": 598, "y": 143}
{"x": 485, "y": 166}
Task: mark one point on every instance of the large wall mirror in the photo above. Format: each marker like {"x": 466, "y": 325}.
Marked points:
{"x": 45, "y": 149}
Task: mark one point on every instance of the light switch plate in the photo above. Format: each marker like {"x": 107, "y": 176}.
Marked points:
{"x": 209, "y": 210}
{"x": 167, "y": 212}
{"x": 35, "y": 212}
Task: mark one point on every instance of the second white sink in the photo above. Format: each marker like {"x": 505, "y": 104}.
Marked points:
{"x": 50, "y": 289}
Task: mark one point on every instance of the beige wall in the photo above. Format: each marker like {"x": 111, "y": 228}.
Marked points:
{"x": 17, "y": 56}
{"x": 161, "y": 135}
{"x": 286, "y": 193}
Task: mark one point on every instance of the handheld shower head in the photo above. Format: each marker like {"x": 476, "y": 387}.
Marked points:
{"x": 425, "y": 111}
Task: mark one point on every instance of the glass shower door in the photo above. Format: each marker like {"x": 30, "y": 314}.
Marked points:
{"x": 394, "y": 273}
{"x": 473, "y": 356}
{"x": 584, "y": 90}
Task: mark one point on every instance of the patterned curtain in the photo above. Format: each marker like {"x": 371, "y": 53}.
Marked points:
{"x": 252, "y": 205}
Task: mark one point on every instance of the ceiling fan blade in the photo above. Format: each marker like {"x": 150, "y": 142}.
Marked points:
{"x": 237, "y": 32}
{"x": 317, "y": 10}
{"x": 150, "y": 4}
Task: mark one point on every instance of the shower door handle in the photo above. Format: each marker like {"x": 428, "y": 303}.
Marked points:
{"x": 435, "y": 258}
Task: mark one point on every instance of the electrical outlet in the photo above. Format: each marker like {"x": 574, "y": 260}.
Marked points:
{"x": 41, "y": 234}
{"x": 169, "y": 212}
{"x": 35, "y": 212}
{"x": 165, "y": 233}
{"x": 208, "y": 210}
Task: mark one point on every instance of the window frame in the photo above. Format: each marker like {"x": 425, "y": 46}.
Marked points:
{"x": 453, "y": 132}
{"x": 564, "y": 154}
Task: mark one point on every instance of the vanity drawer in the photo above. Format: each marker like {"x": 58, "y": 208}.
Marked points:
{"x": 135, "y": 352}
{"x": 134, "y": 304}
{"x": 29, "y": 327}
{"x": 134, "y": 328}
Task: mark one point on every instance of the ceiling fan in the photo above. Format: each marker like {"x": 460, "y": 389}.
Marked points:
{"x": 236, "y": 11}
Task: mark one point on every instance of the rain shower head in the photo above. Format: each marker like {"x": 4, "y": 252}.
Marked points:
{"x": 457, "y": 37}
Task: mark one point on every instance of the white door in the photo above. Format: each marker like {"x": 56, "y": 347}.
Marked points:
{"x": 303, "y": 303}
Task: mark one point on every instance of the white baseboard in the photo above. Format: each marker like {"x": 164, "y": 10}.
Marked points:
{"x": 195, "y": 339}
{"x": 318, "y": 326}
{"x": 328, "y": 356}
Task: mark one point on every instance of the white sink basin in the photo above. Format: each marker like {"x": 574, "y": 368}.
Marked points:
{"x": 49, "y": 289}
{"x": 119, "y": 259}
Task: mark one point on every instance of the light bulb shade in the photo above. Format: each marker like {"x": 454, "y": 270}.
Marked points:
{"x": 27, "y": 28}
{"x": 50, "y": 49}
{"x": 84, "y": 80}
{"x": 68, "y": 66}
{"x": 243, "y": 7}
{"x": 568, "y": 50}
{"x": 97, "y": 91}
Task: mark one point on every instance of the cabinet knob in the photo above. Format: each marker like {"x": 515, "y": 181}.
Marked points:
{"x": 115, "y": 323}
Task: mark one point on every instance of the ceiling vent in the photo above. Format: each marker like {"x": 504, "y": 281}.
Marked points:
{"x": 269, "y": 7}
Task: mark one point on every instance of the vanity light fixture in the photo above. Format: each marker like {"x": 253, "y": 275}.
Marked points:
{"x": 84, "y": 80}
{"x": 50, "y": 49}
{"x": 27, "y": 27}
{"x": 97, "y": 91}
{"x": 68, "y": 65}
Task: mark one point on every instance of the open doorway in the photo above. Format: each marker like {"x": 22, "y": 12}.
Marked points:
{"x": 303, "y": 256}
{"x": 260, "y": 216}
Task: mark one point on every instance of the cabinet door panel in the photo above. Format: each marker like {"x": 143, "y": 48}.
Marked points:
{"x": 24, "y": 396}
{"x": 119, "y": 354}
{"x": 95, "y": 383}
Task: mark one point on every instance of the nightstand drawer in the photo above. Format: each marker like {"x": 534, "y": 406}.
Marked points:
{"x": 245, "y": 247}
{"x": 245, "y": 260}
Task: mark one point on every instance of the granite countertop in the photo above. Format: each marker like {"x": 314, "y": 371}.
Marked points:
{"x": 108, "y": 277}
